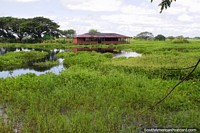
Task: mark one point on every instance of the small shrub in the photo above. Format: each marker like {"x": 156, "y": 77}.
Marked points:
{"x": 61, "y": 41}
{"x": 180, "y": 41}
{"x": 85, "y": 59}
{"x": 28, "y": 40}
{"x": 108, "y": 55}
{"x": 3, "y": 40}
{"x": 170, "y": 37}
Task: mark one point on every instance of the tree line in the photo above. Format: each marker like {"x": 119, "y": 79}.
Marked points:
{"x": 31, "y": 30}
{"x": 39, "y": 29}
{"x": 149, "y": 36}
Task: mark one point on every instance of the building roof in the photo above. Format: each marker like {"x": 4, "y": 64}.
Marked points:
{"x": 101, "y": 35}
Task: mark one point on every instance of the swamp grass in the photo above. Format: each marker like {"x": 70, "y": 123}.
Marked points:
{"x": 85, "y": 100}
{"x": 149, "y": 47}
{"x": 46, "y": 64}
{"x": 165, "y": 65}
{"x": 12, "y": 60}
{"x": 98, "y": 93}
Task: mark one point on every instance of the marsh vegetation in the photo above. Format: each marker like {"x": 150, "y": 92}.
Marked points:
{"x": 99, "y": 93}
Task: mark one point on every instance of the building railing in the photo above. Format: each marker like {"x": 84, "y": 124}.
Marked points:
{"x": 102, "y": 42}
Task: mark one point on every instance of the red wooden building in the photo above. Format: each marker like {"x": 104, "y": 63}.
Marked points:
{"x": 101, "y": 38}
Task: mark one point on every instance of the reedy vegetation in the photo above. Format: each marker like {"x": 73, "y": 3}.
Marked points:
{"x": 97, "y": 93}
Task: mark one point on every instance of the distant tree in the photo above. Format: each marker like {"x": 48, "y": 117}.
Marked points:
{"x": 170, "y": 37}
{"x": 197, "y": 37}
{"x": 145, "y": 35}
{"x": 71, "y": 33}
{"x": 187, "y": 37}
{"x": 68, "y": 33}
{"x": 160, "y": 37}
{"x": 180, "y": 37}
{"x": 93, "y": 31}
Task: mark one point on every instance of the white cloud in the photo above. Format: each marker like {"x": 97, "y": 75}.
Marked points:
{"x": 192, "y": 6}
{"x": 23, "y": 1}
{"x": 133, "y": 14}
{"x": 131, "y": 19}
{"x": 92, "y": 5}
{"x": 26, "y": 0}
{"x": 184, "y": 6}
{"x": 175, "y": 9}
{"x": 185, "y": 18}
{"x": 132, "y": 9}
{"x": 134, "y": 19}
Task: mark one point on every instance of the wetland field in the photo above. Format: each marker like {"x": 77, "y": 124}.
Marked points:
{"x": 99, "y": 92}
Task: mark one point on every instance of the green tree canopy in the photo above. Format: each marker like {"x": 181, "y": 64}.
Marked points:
{"x": 160, "y": 37}
{"x": 35, "y": 28}
{"x": 93, "y": 31}
{"x": 68, "y": 33}
{"x": 7, "y": 27}
{"x": 145, "y": 35}
{"x": 43, "y": 26}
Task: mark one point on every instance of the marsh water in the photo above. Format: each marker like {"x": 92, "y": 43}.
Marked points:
{"x": 51, "y": 56}
{"x": 127, "y": 54}
{"x": 12, "y": 73}
{"x": 30, "y": 69}
{"x": 52, "y": 52}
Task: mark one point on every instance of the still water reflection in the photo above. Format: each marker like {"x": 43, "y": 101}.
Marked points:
{"x": 30, "y": 69}
{"x": 12, "y": 73}
{"x": 127, "y": 54}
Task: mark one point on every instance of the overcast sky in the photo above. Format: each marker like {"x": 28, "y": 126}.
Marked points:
{"x": 128, "y": 17}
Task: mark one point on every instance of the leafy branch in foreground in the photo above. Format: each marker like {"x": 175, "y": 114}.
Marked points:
{"x": 184, "y": 79}
{"x": 165, "y": 4}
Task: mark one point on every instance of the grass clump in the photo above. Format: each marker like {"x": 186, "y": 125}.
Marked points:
{"x": 46, "y": 64}
{"x": 65, "y": 54}
{"x": 85, "y": 59}
{"x": 13, "y": 60}
{"x": 180, "y": 40}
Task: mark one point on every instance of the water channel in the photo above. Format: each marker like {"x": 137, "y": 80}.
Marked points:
{"x": 30, "y": 69}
